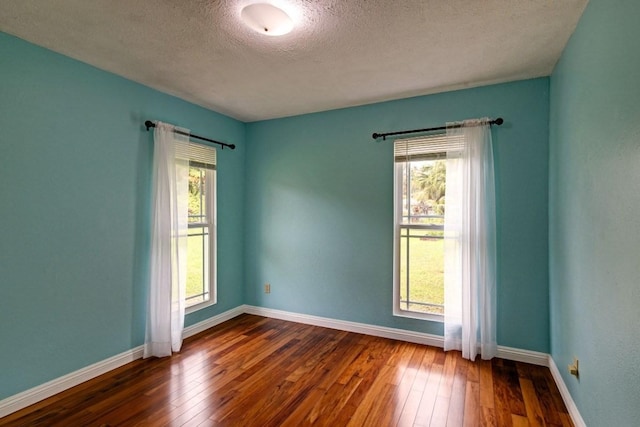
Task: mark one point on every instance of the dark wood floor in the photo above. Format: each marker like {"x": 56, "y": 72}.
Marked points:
{"x": 255, "y": 371}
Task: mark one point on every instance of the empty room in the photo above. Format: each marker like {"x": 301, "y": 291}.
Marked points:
{"x": 299, "y": 212}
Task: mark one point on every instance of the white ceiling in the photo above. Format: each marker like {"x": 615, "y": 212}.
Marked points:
{"x": 340, "y": 53}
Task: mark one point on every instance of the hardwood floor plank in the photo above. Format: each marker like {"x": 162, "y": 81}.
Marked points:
{"x": 532, "y": 405}
{"x": 488, "y": 417}
{"x": 566, "y": 420}
{"x": 486, "y": 384}
{"x": 473, "y": 371}
{"x": 364, "y": 407}
{"x": 342, "y": 357}
{"x": 539, "y": 380}
{"x": 413, "y": 386}
{"x": 299, "y": 416}
{"x": 556, "y": 396}
{"x": 440, "y": 412}
{"x": 279, "y": 408}
{"x": 445, "y": 389}
{"x": 472, "y": 404}
{"x": 455, "y": 416}
{"x": 516, "y": 401}
{"x": 255, "y": 371}
{"x": 446, "y": 385}
{"x": 369, "y": 368}
{"x": 321, "y": 353}
{"x": 367, "y": 345}
{"x": 386, "y": 410}
{"x": 335, "y": 394}
{"x": 262, "y": 380}
{"x": 501, "y": 396}
{"x": 333, "y": 414}
{"x": 429, "y": 396}
{"x": 519, "y": 421}
{"x": 378, "y": 403}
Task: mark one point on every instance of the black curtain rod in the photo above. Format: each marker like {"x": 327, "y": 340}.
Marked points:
{"x": 384, "y": 136}
{"x": 150, "y": 124}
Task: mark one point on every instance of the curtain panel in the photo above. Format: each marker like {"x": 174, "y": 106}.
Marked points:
{"x": 470, "y": 242}
{"x": 168, "y": 261}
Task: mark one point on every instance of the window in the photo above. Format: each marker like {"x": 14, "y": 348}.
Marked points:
{"x": 201, "y": 243}
{"x": 419, "y": 206}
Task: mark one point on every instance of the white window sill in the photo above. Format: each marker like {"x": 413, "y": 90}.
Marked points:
{"x": 200, "y": 306}
{"x": 420, "y": 316}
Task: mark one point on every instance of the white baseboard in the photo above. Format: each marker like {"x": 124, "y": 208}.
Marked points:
{"x": 566, "y": 396}
{"x": 528, "y": 356}
{"x": 29, "y": 397}
{"x": 48, "y": 389}
{"x": 509, "y": 353}
{"x": 343, "y": 325}
{"x": 192, "y": 330}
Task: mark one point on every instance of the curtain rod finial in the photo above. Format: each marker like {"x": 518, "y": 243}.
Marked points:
{"x": 375, "y": 135}
{"x": 499, "y": 121}
{"x": 149, "y": 124}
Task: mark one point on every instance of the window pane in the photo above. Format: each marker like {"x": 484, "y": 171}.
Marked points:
{"x": 421, "y": 244}
{"x": 405, "y": 193}
{"x": 427, "y": 273}
{"x": 197, "y": 203}
{"x": 403, "y": 269}
{"x": 197, "y": 265}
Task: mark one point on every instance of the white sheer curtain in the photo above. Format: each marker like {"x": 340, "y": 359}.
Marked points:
{"x": 166, "y": 306}
{"x": 470, "y": 243}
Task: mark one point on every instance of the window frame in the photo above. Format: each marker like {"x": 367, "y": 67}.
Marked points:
{"x": 211, "y": 222}
{"x": 440, "y": 152}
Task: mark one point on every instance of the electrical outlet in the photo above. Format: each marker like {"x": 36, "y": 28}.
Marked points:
{"x": 267, "y": 288}
{"x": 574, "y": 368}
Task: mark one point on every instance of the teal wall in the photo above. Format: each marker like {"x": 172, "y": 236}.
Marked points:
{"x": 305, "y": 203}
{"x": 319, "y": 218}
{"x": 594, "y": 211}
{"x": 75, "y": 167}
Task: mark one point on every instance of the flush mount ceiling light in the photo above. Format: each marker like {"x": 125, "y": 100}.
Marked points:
{"x": 267, "y": 19}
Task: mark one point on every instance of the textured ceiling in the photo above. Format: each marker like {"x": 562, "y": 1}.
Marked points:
{"x": 340, "y": 53}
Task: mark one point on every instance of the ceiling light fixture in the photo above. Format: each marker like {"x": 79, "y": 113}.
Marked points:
{"x": 267, "y": 19}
